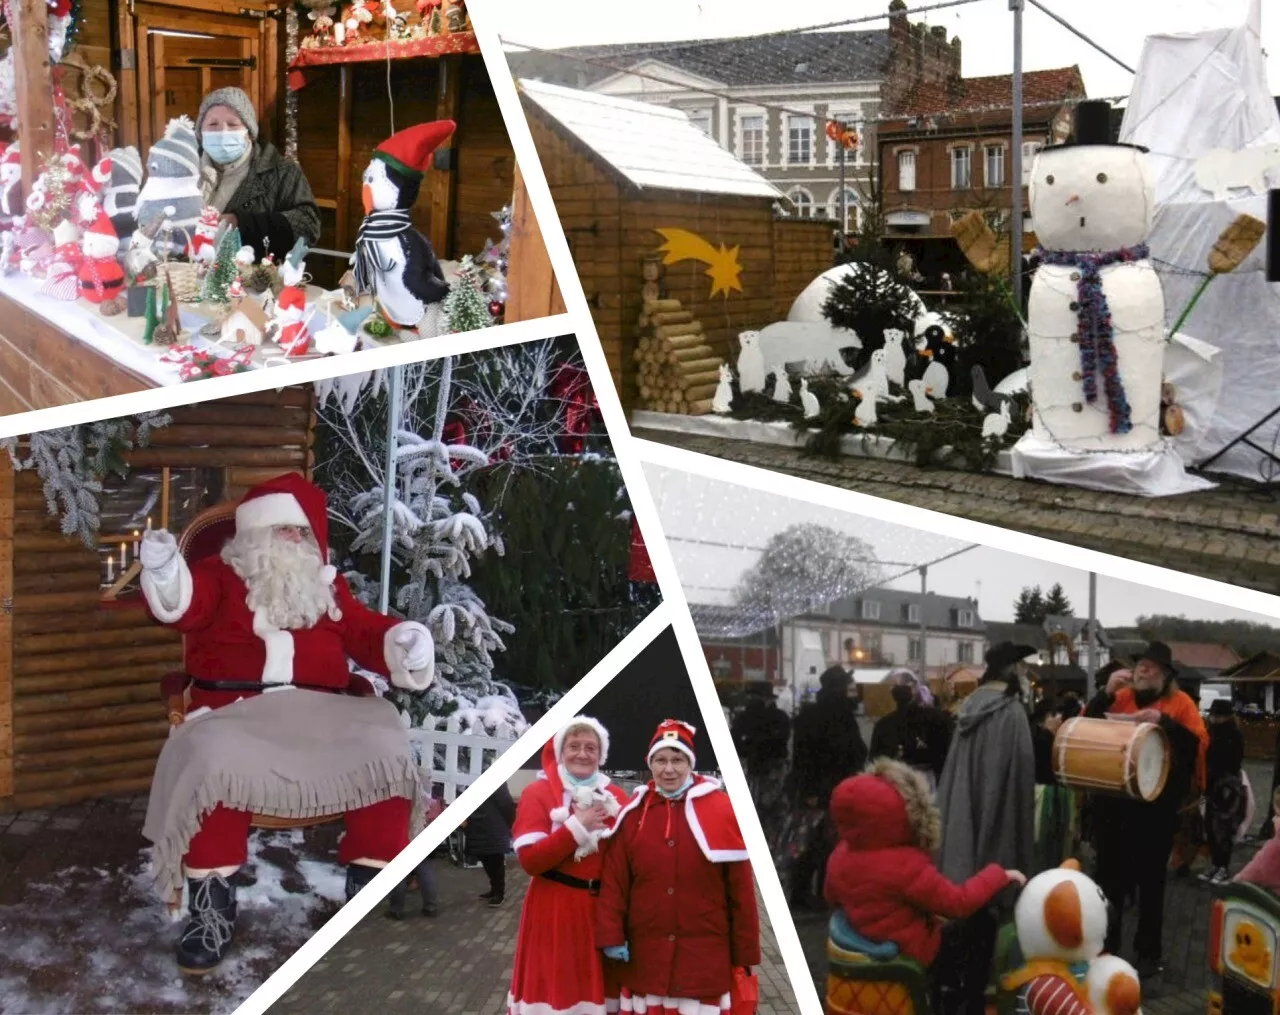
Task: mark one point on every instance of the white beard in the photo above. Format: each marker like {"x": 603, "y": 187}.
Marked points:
{"x": 288, "y": 582}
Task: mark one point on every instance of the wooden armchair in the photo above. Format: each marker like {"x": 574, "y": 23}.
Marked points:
{"x": 204, "y": 536}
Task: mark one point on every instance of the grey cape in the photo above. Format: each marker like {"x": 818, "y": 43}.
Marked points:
{"x": 987, "y": 792}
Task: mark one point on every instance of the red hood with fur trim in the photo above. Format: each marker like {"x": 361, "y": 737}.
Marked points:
{"x": 869, "y": 813}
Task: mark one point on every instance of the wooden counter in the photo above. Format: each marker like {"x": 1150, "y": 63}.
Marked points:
{"x": 42, "y": 366}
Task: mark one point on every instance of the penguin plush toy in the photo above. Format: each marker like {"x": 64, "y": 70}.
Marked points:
{"x": 393, "y": 260}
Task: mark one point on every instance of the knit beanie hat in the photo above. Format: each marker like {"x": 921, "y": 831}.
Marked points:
{"x": 175, "y": 154}
{"x": 126, "y": 168}
{"x": 233, "y": 98}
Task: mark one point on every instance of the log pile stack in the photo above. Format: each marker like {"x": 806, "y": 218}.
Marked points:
{"x": 678, "y": 366}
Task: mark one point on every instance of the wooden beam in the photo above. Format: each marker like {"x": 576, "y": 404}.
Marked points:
{"x": 342, "y": 225}
{"x": 444, "y": 183}
{"x": 532, "y": 291}
{"x": 6, "y": 632}
{"x": 33, "y": 77}
{"x": 125, "y": 46}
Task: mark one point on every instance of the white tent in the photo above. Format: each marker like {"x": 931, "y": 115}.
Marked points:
{"x": 1194, "y": 94}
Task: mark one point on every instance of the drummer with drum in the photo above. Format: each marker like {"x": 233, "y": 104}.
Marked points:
{"x": 1145, "y": 759}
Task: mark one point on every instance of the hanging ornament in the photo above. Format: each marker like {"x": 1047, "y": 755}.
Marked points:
{"x": 496, "y": 308}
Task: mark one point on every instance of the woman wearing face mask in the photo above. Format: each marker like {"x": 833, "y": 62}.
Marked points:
{"x": 560, "y": 820}
{"x": 677, "y": 900}
{"x": 256, "y": 188}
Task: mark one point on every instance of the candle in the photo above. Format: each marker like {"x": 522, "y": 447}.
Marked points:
{"x": 135, "y": 542}
{"x": 148, "y": 523}
{"x": 111, "y": 570}
{"x": 124, "y": 556}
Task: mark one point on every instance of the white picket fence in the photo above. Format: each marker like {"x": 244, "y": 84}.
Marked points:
{"x": 454, "y": 759}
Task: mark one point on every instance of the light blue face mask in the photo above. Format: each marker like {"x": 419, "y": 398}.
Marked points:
{"x": 676, "y": 794}
{"x": 225, "y": 146}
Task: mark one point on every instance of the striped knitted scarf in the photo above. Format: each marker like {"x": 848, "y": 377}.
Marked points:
{"x": 378, "y": 225}
{"x": 1094, "y": 331}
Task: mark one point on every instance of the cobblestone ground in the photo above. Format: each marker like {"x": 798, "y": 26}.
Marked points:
{"x": 1227, "y": 534}
{"x": 1181, "y": 988}
{"x": 460, "y": 962}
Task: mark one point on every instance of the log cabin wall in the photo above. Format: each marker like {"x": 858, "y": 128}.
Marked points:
{"x": 81, "y": 714}
{"x": 803, "y": 251}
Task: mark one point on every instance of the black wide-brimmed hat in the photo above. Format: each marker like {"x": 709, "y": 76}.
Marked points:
{"x": 1092, "y": 126}
{"x": 1160, "y": 654}
{"x": 1222, "y": 706}
{"x": 1006, "y": 653}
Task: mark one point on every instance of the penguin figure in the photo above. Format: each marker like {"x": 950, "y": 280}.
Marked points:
{"x": 393, "y": 260}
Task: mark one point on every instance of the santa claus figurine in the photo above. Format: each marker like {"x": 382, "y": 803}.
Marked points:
{"x": 11, "y": 203}
{"x": 202, "y": 247}
{"x": 272, "y": 726}
{"x": 291, "y": 305}
{"x": 100, "y": 274}
{"x": 675, "y": 850}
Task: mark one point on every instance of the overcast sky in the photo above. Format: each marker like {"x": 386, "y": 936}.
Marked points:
{"x": 984, "y": 26}
{"x": 696, "y": 511}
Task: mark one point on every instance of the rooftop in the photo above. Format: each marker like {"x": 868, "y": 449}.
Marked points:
{"x": 894, "y": 605}
{"x": 1203, "y": 655}
{"x": 647, "y": 145}
{"x": 1041, "y": 89}
{"x": 815, "y": 57}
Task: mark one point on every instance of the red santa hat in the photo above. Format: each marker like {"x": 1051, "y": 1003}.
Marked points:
{"x": 291, "y": 298}
{"x": 285, "y": 500}
{"x": 674, "y": 734}
{"x": 98, "y": 177}
{"x": 102, "y": 225}
{"x": 210, "y": 217}
{"x": 408, "y": 152}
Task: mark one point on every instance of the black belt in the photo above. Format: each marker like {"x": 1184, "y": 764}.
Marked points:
{"x": 256, "y": 685}
{"x": 569, "y": 880}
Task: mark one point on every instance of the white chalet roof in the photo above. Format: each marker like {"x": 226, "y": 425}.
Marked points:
{"x": 651, "y": 146}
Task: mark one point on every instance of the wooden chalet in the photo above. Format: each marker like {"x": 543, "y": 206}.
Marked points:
{"x": 620, "y": 171}
{"x": 167, "y": 54}
{"x": 81, "y": 709}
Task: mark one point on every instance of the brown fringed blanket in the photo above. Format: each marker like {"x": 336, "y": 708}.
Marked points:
{"x": 290, "y": 754}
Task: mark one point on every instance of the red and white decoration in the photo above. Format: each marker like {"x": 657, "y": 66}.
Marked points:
{"x": 101, "y": 277}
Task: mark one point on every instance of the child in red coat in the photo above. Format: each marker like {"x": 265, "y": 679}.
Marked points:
{"x": 882, "y": 874}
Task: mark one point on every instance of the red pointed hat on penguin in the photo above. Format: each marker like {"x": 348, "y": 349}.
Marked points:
{"x": 409, "y": 151}
{"x": 286, "y": 500}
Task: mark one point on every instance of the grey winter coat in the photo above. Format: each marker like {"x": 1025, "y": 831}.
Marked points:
{"x": 988, "y": 787}
{"x": 274, "y": 203}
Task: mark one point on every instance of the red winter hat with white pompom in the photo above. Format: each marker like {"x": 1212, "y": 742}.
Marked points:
{"x": 286, "y": 500}
{"x": 674, "y": 734}
{"x": 100, "y": 239}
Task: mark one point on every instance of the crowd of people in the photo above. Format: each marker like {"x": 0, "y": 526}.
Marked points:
{"x": 923, "y": 837}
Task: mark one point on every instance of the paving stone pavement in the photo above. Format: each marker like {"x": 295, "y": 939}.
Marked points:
{"x": 1228, "y": 534}
{"x": 460, "y": 962}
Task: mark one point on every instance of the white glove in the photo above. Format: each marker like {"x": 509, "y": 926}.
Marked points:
{"x": 158, "y": 549}
{"x": 410, "y": 654}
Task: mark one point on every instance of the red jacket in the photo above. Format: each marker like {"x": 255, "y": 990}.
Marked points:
{"x": 689, "y": 922}
{"x": 221, "y": 643}
{"x": 886, "y": 884}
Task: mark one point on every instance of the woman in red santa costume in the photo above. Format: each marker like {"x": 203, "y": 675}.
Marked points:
{"x": 269, "y": 628}
{"x": 677, "y": 898}
{"x": 559, "y": 823}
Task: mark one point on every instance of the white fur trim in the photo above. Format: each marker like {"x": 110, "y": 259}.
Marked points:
{"x": 584, "y": 720}
{"x": 515, "y": 1007}
{"x": 528, "y": 839}
{"x": 395, "y": 657}
{"x": 675, "y": 745}
{"x": 580, "y": 834}
{"x": 701, "y": 789}
{"x": 166, "y": 188}
{"x": 168, "y": 590}
{"x": 559, "y": 815}
{"x": 278, "y": 668}
{"x": 269, "y": 510}
{"x": 191, "y": 717}
{"x": 652, "y": 1004}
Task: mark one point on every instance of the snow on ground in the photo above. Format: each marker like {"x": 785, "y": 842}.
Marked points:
{"x": 90, "y": 940}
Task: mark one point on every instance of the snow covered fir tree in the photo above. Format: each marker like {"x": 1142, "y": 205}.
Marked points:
{"x": 490, "y": 447}
{"x": 466, "y": 308}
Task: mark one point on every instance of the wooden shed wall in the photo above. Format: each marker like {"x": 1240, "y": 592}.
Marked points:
{"x": 81, "y": 714}
{"x": 610, "y": 226}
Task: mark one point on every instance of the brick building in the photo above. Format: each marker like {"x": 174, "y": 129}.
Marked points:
{"x": 948, "y": 149}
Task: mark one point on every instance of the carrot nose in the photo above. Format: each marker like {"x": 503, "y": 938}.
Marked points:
{"x": 366, "y": 196}
{"x": 1073, "y": 199}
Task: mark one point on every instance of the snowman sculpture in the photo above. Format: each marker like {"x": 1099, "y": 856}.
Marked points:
{"x": 1096, "y": 311}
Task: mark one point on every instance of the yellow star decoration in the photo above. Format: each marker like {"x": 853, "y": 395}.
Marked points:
{"x": 722, "y": 265}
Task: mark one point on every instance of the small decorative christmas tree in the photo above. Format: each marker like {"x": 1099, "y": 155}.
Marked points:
{"x": 466, "y": 308}
{"x": 224, "y": 269}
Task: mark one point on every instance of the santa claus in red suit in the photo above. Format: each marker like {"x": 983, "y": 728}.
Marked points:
{"x": 100, "y": 274}
{"x": 269, "y": 628}
{"x": 677, "y": 899}
{"x": 559, "y": 823}
{"x": 293, "y": 336}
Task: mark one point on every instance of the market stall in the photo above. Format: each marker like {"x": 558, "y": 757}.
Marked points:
{"x": 99, "y": 103}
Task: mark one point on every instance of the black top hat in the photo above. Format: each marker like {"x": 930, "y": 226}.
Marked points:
{"x": 1222, "y": 706}
{"x": 1093, "y": 127}
{"x": 1160, "y": 653}
{"x": 1006, "y": 653}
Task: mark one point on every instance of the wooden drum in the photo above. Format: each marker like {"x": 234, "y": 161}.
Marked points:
{"x": 1106, "y": 756}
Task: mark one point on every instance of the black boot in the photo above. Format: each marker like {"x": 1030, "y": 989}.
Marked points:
{"x": 207, "y": 936}
{"x": 359, "y": 875}
{"x": 396, "y": 900}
